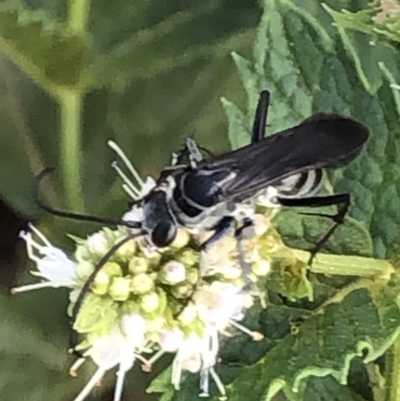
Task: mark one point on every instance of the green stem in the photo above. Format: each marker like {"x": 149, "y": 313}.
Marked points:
{"x": 71, "y": 155}
{"x": 71, "y": 105}
{"x": 78, "y": 15}
{"x": 393, "y": 372}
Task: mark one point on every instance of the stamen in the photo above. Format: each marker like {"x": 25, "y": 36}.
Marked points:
{"x": 257, "y": 336}
{"x": 37, "y": 286}
{"x": 124, "y": 177}
{"x": 219, "y": 384}
{"x": 89, "y": 386}
{"x": 78, "y": 363}
{"x": 120, "y": 384}
{"x": 204, "y": 382}
{"x": 40, "y": 235}
{"x": 128, "y": 164}
{"x": 128, "y": 190}
{"x": 149, "y": 363}
{"x": 141, "y": 358}
{"x": 176, "y": 374}
{"x": 214, "y": 344}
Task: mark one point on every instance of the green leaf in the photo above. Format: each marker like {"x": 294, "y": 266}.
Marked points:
{"x": 303, "y": 232}
{"x": 373, "y": 21}
{"x": 329, "y": 389}
{"x": 239, "y": 135}
{"x": 162, "y": 384}
{"x": 364, "y": 323}
{"x": 42, "y": 47}
{"x": 298, "y": 66}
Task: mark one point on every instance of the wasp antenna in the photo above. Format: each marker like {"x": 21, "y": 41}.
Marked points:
{"x": 86, "y": 287}
{"x": 72, "y": 215}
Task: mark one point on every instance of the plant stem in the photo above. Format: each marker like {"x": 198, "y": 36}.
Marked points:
{"x": 71, "y": 105}
{"x": 393, "y": 372}
{"x": 71, "y": 155}
{"x": 78, "y": 15}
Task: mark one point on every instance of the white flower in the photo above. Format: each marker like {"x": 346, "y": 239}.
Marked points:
{"x": 198, "y": 354}
{"x": 134, "y": 327}
{"x": 52, "y": 263}
{"x": 97, "y": 243}
{"x": 120, "y": 347}
{"x": 218, "y": 303}
{"x": 171, "y": 340}
{"x": 175, "y": 272}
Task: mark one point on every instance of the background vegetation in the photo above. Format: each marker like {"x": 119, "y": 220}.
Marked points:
{"x": 148, "y": 74}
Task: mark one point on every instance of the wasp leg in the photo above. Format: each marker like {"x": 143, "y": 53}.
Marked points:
{"x": 221, "y": 230}
{"x": 260, "y": 118}
{"x": 195, "y": 155}
{"x": 88, "y": 283}
{"x": 246, "y": 231}
{"x": 341, "y": 200}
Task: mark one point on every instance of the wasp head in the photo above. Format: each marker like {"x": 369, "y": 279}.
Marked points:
{"x": 159, "y": 221}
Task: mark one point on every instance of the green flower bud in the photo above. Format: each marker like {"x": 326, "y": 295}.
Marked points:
{"x": 84, "y": 269}
{"x": 101, "y": 282}
{"x": 126, "y": 251}
{"x": 97, "y": 244}
{"x": 120, "y": 288}
{"x": 192, "y": 275}
{"x": 112, "y": 269}
{"x": 181, "y": 239}
{"x": 155, "y": 325}
{"x": 82, "y": 254}
{"x": 188, "y": 257}
{"x": 150, "y": 302}
{"x": 97, "y": 315}
{"x": 188, "y": 315}
{"x": 141, "y": 283}
{"x": 129, "y": 307}
{"x": 138, "y": 265}
{"x": 111, "y": 236}
{"x": 182, "y": 291}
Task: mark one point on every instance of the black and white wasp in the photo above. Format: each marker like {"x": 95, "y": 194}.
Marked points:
{"x": 284, "y": 169}
{"x": 217, "y": 194}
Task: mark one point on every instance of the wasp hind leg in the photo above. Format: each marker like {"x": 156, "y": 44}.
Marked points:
{"x": 245, "y": 232}
{"x": 260, "y": 118}
{"x": 341, "y": 200}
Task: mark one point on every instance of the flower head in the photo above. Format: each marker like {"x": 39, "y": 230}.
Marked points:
{"x": 146, "y": 300}
{"x": 52, "y": 264}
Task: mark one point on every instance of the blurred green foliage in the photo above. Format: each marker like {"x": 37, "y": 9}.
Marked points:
{"x": 148, "y": 74}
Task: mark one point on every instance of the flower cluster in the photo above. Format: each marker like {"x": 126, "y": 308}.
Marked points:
{"x": 147, "y": 301}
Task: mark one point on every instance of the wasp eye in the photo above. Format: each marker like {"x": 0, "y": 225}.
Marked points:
{"x": 164, "y": 233}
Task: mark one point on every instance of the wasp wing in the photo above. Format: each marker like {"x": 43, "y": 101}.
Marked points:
{"x": 322, "y": 141}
